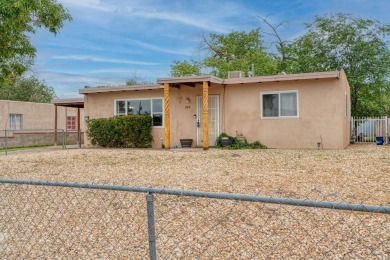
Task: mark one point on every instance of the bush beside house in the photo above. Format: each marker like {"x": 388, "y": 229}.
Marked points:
{"x": 133, "y": 131}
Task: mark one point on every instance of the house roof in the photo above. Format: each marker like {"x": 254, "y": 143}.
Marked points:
{"x": 212, "y": 79}
{"x": 69, "y": 102}
{"x": 89, "y": 90}
{"x": 192, "y": 80}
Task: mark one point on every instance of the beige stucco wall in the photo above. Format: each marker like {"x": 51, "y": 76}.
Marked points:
{"x": 37, "y": 115}
{"x": 183, "y": 120}
{"x": 321, "y": 115}
{"x": 321, "y": 105}
{"x": 102, "y": 105}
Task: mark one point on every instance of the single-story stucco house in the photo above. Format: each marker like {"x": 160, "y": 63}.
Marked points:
{"x": 307, "y": 110}
{"x": 23, "y": 119}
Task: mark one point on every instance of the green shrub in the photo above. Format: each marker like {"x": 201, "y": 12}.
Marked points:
{"x": 134, "y": 131}
{"x": 237, "y": 144}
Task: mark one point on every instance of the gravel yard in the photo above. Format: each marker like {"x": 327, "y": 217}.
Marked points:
{"x": 197, "y": 228}
{"x": 355, "y": 174}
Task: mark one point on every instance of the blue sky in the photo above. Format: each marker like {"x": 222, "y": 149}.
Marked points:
{"x": 109, "y": 41}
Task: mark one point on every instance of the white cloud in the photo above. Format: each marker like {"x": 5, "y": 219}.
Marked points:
{"x": 68, "y": 84}
{"x": 201, "y": 14}
{"x": 204, "y": 22}
{"x": 98, "y": 59}
{"x": 159, "y": 48}
{"x": 89, "y": 4}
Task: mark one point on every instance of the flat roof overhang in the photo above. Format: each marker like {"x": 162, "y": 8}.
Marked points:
{"x": 69, "y": 102}
{"x": 90, "y": 90}
{"x": 192, "y": 80}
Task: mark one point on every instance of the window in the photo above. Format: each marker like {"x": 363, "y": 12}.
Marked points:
{"x": 152, "y": 107}
{"x": 71, "y": 123}
{"x": 15, "y": 121}
{"x": 279, "y": 104}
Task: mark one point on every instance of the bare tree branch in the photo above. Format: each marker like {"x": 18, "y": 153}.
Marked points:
{"x": 280, "y": 43}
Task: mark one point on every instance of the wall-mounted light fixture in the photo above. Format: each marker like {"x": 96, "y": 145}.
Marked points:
{"x": 86, "y": 118}
{"x": 188, "y": 100}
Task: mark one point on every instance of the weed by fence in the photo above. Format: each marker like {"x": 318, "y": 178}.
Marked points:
{"x": 79, "y": 220}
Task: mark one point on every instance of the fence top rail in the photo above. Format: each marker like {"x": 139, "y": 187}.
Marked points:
{"x": 32, "y": 130}
{"x": 370, "y": 118}
{"x": 213, "y": 195}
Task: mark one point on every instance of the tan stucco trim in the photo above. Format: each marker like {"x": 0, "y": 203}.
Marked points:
{"x": 89, "y": 90}
{"x": 287, "y": 77}
{"x": 274, "y": 78}
{"x": 191, "y": 79}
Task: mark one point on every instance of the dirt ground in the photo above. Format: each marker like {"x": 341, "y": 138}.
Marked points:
{"x": 55, "y": 222}
{"x": 356, "y": 174}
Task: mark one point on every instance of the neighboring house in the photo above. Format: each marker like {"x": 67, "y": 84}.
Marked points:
{"x": 307, "y": 110}
{"x": 30, "y": 118}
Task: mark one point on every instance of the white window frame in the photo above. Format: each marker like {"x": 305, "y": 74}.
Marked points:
{"x": 278, "y": 92}
{"x": 12, "y": 125}
{"x": 151, "y": 107}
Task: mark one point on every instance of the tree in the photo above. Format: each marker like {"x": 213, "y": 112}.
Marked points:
{"x": 135, "y": 80}
{"x": 355, "y": 44}
{"x": 237, "y": 51}
{"x": 224, "y": 53}
{"x": 185, "y": 68}
{"x": 281, "y": 45}
{"x": 27, "y": 89}
{"x": 18, "y": 20}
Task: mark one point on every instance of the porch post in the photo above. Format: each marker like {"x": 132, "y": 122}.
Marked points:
{"x": 205, "y": 115}
{"x": 167, "y": 123}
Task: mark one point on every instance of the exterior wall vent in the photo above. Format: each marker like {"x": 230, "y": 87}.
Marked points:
{"x": 235, "y": 74}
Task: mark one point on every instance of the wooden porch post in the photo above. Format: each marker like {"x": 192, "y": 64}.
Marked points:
{"x": 205, "y": 115}
{"x": 167, "y": 123}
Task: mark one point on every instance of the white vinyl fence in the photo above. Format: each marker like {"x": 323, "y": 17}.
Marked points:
{"x": 367, "y": 129}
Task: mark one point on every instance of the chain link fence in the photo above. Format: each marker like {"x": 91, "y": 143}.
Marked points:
{"x": 77, "y": 220}
{"x": 27, "y": 139}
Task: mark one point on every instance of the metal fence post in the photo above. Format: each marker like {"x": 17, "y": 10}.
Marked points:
{"x": 151, "y": 227}
{"x": 63, "y": 139}
{"x": 5, "y": 141}
{"x": 386, "y": 119}
{"x": 79, "y": 137}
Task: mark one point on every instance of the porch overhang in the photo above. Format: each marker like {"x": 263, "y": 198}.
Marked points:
{"x": 191, "y": 81}
{"x": 69, "y": 102}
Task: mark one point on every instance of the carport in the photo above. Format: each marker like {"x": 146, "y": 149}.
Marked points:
{"x": 70, "y": 102}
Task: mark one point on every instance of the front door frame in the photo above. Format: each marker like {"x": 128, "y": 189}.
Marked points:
{"x": 199, "y": 119}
